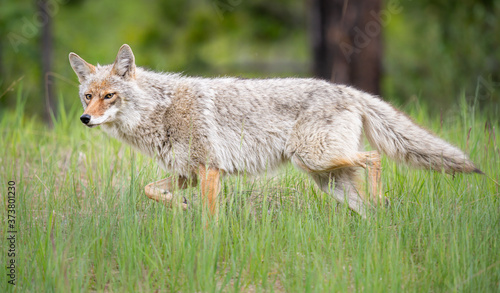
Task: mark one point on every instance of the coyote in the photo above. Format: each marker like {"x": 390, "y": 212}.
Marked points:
{"x": 204, "y": 128}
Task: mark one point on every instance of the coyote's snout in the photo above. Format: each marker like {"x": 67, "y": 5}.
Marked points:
{"x": 202, "y": 129}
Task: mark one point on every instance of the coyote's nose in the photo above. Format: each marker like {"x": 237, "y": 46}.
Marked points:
{"x": 85, "y": 118}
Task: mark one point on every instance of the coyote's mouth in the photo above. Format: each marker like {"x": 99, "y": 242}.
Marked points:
{"x": 96, "y": 122}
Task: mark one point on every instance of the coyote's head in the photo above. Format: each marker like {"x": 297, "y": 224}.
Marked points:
{"x": 105, "y": 90}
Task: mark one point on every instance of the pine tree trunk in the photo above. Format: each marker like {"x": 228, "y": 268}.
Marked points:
{"x": 1, "y": 61}
{"x": 347, "y": 42}
{"x": 46, "y": 55}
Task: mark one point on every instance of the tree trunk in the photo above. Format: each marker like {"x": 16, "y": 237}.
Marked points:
{"x": 46, "y": 49}
{"x": 347, "y": 42}
{"x": 2, "y": 78}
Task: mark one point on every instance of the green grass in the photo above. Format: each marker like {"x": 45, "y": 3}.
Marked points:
{"x": 84, "y": 223}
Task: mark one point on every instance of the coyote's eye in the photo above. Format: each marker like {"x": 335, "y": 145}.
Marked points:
{"x": 88, "y": 96}
{"x": 108, "y": 96}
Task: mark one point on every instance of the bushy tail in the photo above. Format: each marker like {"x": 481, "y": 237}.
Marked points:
{"x": 395, "y": 134}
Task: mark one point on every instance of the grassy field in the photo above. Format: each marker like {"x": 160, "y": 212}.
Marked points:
{"x": 84, "y": 224}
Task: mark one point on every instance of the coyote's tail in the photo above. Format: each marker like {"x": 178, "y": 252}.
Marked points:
{"x": 395, "y": 134}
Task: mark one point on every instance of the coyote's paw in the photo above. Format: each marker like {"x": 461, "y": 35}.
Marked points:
{"x": 157, "y": 191}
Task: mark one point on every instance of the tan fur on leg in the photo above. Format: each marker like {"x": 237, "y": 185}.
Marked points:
{"x": 210, "y": 187}
{"x": 372, "y": 163}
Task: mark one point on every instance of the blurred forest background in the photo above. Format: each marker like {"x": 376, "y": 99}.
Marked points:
{"x": 431, "y": 51}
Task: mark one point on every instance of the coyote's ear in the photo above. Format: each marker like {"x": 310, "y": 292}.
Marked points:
{"x": 125, "y": 63}
{"x": 80, "y": 66}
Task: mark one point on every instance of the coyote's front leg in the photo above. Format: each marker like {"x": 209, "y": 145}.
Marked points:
{"x": 210, "y": 187}
{"x": 161, "y": 190}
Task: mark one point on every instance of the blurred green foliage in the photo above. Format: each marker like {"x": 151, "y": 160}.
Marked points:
{"x": 437, "y": 50}
{"x": 434, "y": 50}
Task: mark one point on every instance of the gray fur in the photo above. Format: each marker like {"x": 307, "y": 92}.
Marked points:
{"x": 253, "y": 125}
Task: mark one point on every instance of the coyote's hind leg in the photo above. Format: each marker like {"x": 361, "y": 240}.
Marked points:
{"x": 368, "y": 160}
{"x": 372, "y": 163}
{"x": 161, "y": 191}
{"x": 341, "y": 184}
{"x": 341, "y": 172}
